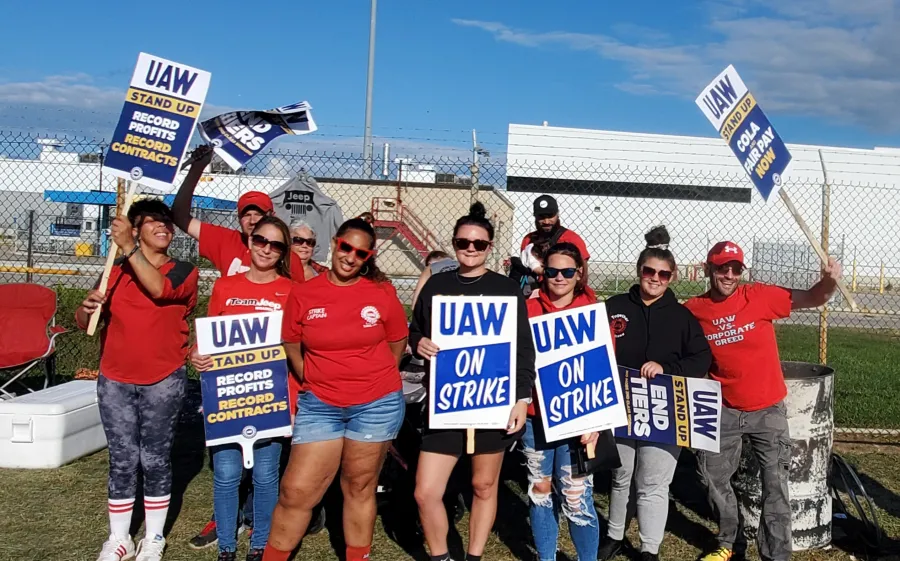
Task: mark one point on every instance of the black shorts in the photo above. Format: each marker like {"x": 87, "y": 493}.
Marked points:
{"x": 452, "y": 442}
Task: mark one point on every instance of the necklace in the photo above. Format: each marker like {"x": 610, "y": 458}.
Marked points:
{"x": 460, "y": 279}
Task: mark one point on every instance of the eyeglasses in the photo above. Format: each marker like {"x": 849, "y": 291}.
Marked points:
{"x": 732, "y": 266}
{"x": 297, "y": 240}
{"x": 346, "y": 247}
{"x": 552, "y": 272}
{"x": 463, "y": 244}
{"x": 650, "y": 272}
{"x": 262, "y": 241}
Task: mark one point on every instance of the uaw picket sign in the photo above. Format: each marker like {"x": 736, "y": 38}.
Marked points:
{"x": 473, "y": 376}
{"x": 672, "y": 410}
{"x": 245, "y": 393}
{"x": 578, "y": 387}
{"x": 732, "y": 109}
{"x": 162, "y": 106}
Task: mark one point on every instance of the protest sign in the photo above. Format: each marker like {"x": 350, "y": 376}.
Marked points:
{"x": 732, "y": 109}
{"x": 578, "y": 387}
{"x": 161, "y": 108}
{"x": 245, "y": 393}
{"x": 672, "y": 410}
{"x": 473, "y": 376}
{"x": 238, "y": 136}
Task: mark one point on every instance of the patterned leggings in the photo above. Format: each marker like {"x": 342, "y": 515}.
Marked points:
{"x": 139, "y": 422}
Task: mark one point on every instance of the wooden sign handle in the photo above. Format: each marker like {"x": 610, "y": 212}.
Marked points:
{"x": 470, "y": 441}
{"x": 814, "y": 243}
{"x": 591, "y": 450}
{"x": 110, "y": 259}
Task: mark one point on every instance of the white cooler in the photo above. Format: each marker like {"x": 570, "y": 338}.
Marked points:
{"x": 51, "y": 427}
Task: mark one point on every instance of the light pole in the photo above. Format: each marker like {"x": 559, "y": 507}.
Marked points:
{"x": 370, "y": 78}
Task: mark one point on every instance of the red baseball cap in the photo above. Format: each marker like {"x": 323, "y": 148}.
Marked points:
{"x": 725, "y": 252}
{"x": 254, "y": 198}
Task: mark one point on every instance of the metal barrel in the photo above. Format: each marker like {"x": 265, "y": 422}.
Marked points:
{"x": 810, "y": 412}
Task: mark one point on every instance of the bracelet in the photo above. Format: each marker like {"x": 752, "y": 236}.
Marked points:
{"x": 132, "y": 252}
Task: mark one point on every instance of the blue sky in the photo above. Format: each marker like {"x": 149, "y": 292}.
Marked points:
{"x": 826, "y": 71}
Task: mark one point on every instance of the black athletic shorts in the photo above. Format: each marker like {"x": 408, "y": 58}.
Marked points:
{"x": 452, "y": 442}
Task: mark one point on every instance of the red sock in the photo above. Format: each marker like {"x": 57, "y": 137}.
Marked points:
{"x": 273, "y": 554}
{"x": 358, "y": 553}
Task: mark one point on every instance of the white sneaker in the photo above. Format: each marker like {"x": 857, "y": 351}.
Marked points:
{"x": 116, "y": 550}
{"x": 151, "y": 549}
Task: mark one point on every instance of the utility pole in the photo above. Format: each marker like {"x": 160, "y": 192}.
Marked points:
{"x": 370, "y": 79}
{"x": 476, "y": 166}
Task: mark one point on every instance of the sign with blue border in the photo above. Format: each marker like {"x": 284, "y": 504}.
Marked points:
{"x": 473, "y": 377}
{"x": 731, "y": 108}
{"x": 162, "y": 106}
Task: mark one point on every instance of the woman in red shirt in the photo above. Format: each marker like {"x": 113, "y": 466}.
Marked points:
{"x": 263, "y": 288}
{"x": 143, "y": 347}
{"x": 551, "y": 484}
{"x": 345, "y": 332}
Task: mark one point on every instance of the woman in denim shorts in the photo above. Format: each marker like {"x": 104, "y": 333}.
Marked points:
{"x": 344, "y": 332}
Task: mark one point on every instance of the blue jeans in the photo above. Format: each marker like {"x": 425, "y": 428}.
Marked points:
{"x": 228, "y": 468}
{"x": 574, "y": 495}
{"x": 377, "y": 421}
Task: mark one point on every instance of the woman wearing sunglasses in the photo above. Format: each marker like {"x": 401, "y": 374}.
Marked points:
{"x": 345, "y": 332}
{"x": 655, "y": 335}
{"x": 473, "y": 237}
{"x": 551, "y": 484}
{"x": 263, "y": 288}
{"x": 303, "y": 243}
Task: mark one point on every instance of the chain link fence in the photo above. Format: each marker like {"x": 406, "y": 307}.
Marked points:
{"x": 55, "y": 207}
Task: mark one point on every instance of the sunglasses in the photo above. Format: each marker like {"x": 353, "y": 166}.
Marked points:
{"x": 735, "y": 268}
{"x": 552, "y": 272}
{"x": 463, "y": 244}
{"x": 650, "y": 272}
{"x": 346, "y": 247}
{"x": 262, "y": 241}
{"x": 297, "y": 240}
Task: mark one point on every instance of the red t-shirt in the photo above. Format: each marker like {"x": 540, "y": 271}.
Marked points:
{"x": 228, "y": 251}
{"x": 238, "y": 295}
{"x": 567, "y": 236}
{"x": 345, "y": 332}
{"x": 143, "y": 339}
{"x": 742, "y": 339}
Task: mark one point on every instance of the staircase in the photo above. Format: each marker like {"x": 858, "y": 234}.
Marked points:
{"x": 395, "y": 221}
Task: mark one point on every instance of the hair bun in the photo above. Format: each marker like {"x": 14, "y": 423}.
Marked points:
{"x": 477, "y": 211}
{"x": 657, "y": 237}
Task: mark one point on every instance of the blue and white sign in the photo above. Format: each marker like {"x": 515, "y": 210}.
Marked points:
{"x": 162, "y": 106}
{"x": 578, "y": 387}
{"x": 238, "y": 136}
{"x": 473, "y": 376}
{"x": 672, "y": 410}
{"x": 245, "y": 393}
{"x": 732, "y": 109}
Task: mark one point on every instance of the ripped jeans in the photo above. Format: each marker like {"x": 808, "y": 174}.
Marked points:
{"x": 550, "y": 466}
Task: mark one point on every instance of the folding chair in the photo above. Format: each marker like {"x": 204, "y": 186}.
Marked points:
{"x": 27, "y": 332}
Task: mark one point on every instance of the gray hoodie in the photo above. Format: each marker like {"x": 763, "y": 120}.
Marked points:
{"x": 301, "y": 199}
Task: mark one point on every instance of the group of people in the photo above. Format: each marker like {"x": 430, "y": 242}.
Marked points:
{"x": 345, "y": 332}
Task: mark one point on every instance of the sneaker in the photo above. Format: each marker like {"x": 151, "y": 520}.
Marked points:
{"x": 721, "y": 554}
{"x": 255, "y": 555}
{"x": 227, "y": 556}
{"x": 151, "y": 549}
{"x": 647, "y": 556}
{"x": 609, "y": 549}
{"x": 117, "y": 550}
{"x": 318, "y": 524}
{"x": 206, "y": 538}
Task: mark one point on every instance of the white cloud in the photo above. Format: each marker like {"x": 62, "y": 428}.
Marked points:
{"x": 75, "y": 90}
{"x": 833, "y": 58}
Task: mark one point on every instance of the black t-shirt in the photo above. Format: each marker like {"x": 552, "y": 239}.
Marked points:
{"x": 489, "y": 284}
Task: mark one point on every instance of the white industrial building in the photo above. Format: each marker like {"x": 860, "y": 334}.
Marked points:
{"x": 613, "y": 186}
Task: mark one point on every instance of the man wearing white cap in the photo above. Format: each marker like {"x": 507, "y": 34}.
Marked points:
{"x": 737, "y": 321}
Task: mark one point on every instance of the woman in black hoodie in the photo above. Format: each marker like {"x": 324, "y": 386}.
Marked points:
{"x": 656, "y": 335}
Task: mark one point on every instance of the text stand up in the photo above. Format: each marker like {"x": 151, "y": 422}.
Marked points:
{"x": 111, "y": 258}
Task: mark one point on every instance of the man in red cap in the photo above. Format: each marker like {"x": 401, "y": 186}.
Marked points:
{"x": 226, "y": 248}
{"x": 737, "y": 321}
